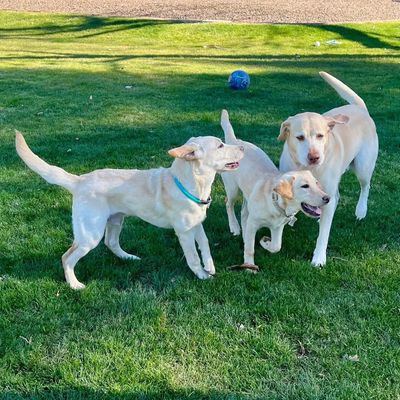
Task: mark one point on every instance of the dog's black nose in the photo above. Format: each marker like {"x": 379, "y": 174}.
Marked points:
{"x": 326, "y": 199}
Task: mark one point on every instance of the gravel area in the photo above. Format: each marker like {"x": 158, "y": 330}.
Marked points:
{"x": 272, "y": 11}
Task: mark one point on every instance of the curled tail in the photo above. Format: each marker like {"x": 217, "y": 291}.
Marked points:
{"x": 343, "y": 91}
{"x": 230, "y": 137}
{"x": 50, "y": 173}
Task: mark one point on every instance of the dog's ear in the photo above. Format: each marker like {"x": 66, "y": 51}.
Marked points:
{"x": 337, "y": 119}
{"x": 285, "y": 130}
{"x": 285, "y": 188}
{"x": 186, "y": 151}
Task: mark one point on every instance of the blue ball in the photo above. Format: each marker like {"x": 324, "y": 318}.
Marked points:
{"x": 239, "y": 80}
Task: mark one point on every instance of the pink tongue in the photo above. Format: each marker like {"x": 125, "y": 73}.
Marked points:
{"x": 312, "y": 210}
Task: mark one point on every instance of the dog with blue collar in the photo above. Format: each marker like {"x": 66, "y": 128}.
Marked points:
{"x": 175, "y": 198}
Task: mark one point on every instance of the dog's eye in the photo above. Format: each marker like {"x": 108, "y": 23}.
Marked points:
{"x": 300, "y": 138}
{"x": 320, "y": 136}
{"x": 305, "y": 186}
{"x": 221, "y": 146}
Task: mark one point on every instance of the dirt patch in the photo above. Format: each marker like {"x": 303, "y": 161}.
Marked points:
{"x": 271, "y": 11}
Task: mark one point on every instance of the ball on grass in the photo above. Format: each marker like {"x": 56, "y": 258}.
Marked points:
{"x": 239, "y": 80}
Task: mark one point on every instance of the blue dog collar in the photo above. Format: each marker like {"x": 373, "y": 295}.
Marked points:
{"x": 189, "y": 195}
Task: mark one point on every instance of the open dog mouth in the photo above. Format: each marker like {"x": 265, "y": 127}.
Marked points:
{"x": 232, "y": 165}
{"x": 311, "y": 211}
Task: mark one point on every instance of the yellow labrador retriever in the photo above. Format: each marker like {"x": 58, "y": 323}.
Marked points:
{"x": 270, "y": 198}
{"x": 328, "y": 145}
{"x": 175, "y": 197}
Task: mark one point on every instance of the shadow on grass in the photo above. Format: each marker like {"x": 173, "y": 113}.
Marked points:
{"x": 243, "y": 59}
{"x": 358, "y": 36}
{"x": 88, "y": 26}
{"x": 165, "y": 393}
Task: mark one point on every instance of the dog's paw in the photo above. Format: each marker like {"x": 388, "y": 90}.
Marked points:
{"x": 319, "y": 260}
{"x": 235, "y": 230}
{"x": 128, "y": 256}
{"x": 123, "y": 254}
{"x": 202, "y": 274}
{"x": 361, "y": 211}
{"x": 210, "y": 268}
{"x": 266, "y": 244}
{"x": 77, "y": 285}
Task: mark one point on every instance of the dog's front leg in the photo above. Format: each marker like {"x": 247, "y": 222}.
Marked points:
{"x": 187, "y": 241}
{"x": 249, "y": 239}
{"x": 275, "y": 244}
{"x": 325, "y": 223}
{"x": 202, "y": 241}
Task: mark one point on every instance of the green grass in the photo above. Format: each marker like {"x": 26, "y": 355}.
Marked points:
{"x": 149, "y": 329}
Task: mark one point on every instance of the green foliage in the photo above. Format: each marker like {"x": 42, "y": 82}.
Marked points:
{"x": 101, "y": 92}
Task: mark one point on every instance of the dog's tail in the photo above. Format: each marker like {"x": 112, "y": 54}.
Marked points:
{"x": 230, "y": 137}
{"x": 50, "y": 173}
{"x": 343, "y": 91}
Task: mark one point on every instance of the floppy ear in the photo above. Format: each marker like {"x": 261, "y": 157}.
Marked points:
{"x": 186, "y": 151}
{"x": 285, "y": 188}
{"x": 337, "y": 119}
{"x": 285, "y": 130}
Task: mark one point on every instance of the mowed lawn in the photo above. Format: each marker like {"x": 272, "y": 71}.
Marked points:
{"x": 91, "y": 93}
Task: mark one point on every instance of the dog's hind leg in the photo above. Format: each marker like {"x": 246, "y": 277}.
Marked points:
{"x": 88, "y": 224}
{"x": 244, "y": 216}
{"x": 232, "y": 192}
{"x": 69, "y": 260}
{"x": 111, "y": 240}
{"x": 363, "y": 166}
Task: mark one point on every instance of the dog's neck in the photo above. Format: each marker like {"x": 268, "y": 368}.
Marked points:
{"x": 286, "y": 207}
{"x": 196, "y": 179}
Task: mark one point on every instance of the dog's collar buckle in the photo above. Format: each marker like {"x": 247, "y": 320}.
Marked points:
{"x": 291, "y": 219}
{"x": 190, "y": 196}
